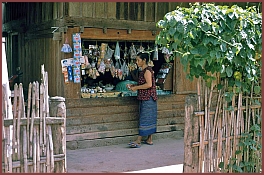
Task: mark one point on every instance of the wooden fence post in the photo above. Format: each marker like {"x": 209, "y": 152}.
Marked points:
{"x": 57, "y": 108}
{"x": 191, "y": 135}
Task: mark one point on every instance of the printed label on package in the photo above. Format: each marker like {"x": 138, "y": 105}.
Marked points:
{"x": 77, "y": 79}
{"x": 76, "y": 47}
{"x": 76, "y": 63}
{"x": 76, "y": 38}
{"x": 76, "y": 71}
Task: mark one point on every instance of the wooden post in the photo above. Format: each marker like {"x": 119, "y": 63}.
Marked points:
{"x": 191, "y": 131}
{"x": 58, "y": 109}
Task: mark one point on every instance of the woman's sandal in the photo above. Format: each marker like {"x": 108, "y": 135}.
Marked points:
{"x": 145, "y": 142}
{"x": 134, "y": 145}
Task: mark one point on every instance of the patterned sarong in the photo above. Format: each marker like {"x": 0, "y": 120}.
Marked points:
{"x": 147, "y": 117}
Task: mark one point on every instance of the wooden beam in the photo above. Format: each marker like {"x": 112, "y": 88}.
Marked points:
{"x": 118, "y": 34}
{"x": 109, "y": 23}
{"x": 49, "y": 121}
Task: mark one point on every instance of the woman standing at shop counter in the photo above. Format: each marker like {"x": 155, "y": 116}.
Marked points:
{"x": 147, "y": 97}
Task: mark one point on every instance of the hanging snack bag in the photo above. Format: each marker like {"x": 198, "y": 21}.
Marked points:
{"x": 66, "y": 48}
{"x": 155, "y": 55}
{"x": 133, "y": 52}
{"x": 70, "y": 76}
{"x": 117, "y": 51}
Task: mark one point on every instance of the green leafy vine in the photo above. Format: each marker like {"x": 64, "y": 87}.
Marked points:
{"x": 209, "y": 39}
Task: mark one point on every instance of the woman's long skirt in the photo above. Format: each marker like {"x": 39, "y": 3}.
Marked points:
{"x": 147, "y": 117}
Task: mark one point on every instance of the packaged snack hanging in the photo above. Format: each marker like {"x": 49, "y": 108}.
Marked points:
{"x": 66, "y": 48}
{"x": 155, "y": 55}
{"x": 117, "y": 51}
{"x": 133, "y": 52}
{"x": 109, "y": 53}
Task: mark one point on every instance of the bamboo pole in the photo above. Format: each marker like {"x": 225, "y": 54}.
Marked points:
{"x": 201, "y": 122}
{"x": 21, "y": 148}
{"x": 18, "y": 119}
{"x": 6, "y": 150}
{"x": 206, "y": 130}
{"x": 48, "y": 156}
{"x": 245, "y": 129}
{"x": 37, "y": 150}
{"x": 4, "y": 133}
{"x": 199, "y": 93}
{"x": 41, "y": 120}
{"x": 6, "y": 139}
{"x": 210, "y": 128}
{"x": 225, "y": 116}
{"x": 14, "y": 137}
{"x": 37, "y": 129}
{"x": 25, "y": 149}
{"x": 219, "y": 145}
{"x": 239, "y": 126}
{"x": 37, "y": 99}
{"x": 28, "y": 117}
{"x": 51, "y": 149}
{"x": 32, "y": 118}
{"x": 63, "y": 132}
{"x": 44, "y": 112}
{"x": 217, "y": 130}
{"x": 47, "y": 94}
{"x": 34, "y": 150}
{"x": 233, "y": 125}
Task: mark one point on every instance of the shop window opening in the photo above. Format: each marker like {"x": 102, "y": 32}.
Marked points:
{"x": 109, "y": 65}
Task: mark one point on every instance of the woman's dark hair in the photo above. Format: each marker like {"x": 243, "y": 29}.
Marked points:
{"x": 143, "y": 56}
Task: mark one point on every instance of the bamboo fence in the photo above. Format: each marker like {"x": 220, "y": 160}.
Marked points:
{"x": 33, "y": 141}
{"x": 212, "y": 135}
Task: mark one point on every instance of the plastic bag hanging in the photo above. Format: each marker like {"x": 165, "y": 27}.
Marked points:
{"x": 117, "y": 51}
{"x": 66, "y": 48}
{"x": 150, "y": 62}
{"x": 109, "y": 53}
{"x": 133, "y": 52}
{"x": 156, "y": 54}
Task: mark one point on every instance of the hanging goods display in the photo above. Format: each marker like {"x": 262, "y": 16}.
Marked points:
{"x": 77, "y": 52}
{"x": 133, "y": 52}
{"x": 117, "y": 51}
{"x": 66, "y": 48}
{"x": 156, "y": 54}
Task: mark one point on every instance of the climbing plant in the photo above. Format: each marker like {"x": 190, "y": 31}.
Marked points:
{"x": 220, "y": 40}
{"x": 209, "y": 38}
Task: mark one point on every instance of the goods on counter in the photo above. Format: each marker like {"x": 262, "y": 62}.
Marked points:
{"x": 121, "y": 86}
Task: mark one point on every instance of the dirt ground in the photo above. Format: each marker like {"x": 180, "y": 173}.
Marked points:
{"x": 121, "y": 158}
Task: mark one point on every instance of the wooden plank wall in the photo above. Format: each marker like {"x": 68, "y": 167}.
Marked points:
{"x": 42, "y": 51}
{"x": 97, "y": 119}
{"x": 133, "y": 11}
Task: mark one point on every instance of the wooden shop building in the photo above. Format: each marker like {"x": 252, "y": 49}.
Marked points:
{"x": 36, "y": 33}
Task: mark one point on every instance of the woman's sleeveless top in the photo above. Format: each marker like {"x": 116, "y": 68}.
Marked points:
{"x": 145, "y": 94}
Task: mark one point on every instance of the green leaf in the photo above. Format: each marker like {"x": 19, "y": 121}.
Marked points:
{"x": 229, "y": 71}
{"x": 238, "y": 152}
{"x": 172, "y": 31}
{"x": 209, "y": 60}
{"x": 239, "y": 169}
{"x": 257, "y": 89}
{"x": 221, "y": 165}
{"x": 219, "y": 86}
{"x": 194, "y": 51}
{"x": 180, "y": 27}
{"x": 161, "y": 24}
{"x": 223, "y": 47}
